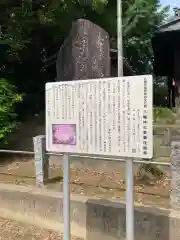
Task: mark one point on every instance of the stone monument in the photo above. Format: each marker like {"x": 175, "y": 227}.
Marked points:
{"x": 85, "y": 53}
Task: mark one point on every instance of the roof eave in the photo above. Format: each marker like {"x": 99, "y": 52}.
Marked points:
{"x": 168, "y": 27}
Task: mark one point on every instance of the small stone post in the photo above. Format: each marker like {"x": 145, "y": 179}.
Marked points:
{"x": 175, "y": 177}
{"x": 175, "y": 191}
{"x": 41, "y": 160}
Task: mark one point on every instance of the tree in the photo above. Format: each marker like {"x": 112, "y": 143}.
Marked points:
{"x": 8, "y": 100}
{"x": 35, "y": 29}
{"x": 140, "y": 20}
{"x": 24, "y": 19}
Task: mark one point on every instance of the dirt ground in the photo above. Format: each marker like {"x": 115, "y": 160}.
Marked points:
{"x": 88, "y": 180}
{"x": 91, "y": 182}
{"x": 12, "y": 230}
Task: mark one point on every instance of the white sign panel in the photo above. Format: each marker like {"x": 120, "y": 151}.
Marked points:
{"x": 108, "y": 116}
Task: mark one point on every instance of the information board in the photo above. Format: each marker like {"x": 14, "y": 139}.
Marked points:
{"x": 108, "y": 116}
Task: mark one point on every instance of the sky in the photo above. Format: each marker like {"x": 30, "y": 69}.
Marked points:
{"x": 172, "y": 3}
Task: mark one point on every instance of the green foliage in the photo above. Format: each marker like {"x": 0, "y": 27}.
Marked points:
{"x": 8, "y": 100}
{"x": 163, "y": 115}
{"x": 140, "y": 20}
{"x": 148, "y": 173}
{"x": 34, "y": 30}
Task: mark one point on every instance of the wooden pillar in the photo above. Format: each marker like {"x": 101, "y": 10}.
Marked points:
{"x": 177, "y": 77}
{"x": 177, "y": 96}
{"x": 170, "y": 95}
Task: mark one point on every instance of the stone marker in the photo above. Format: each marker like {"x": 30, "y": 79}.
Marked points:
{"x": 41, "y": 160}
{"x": 85, "y": 53}
{"x": 175, "y": 178}
{"x": 174, "y": 225}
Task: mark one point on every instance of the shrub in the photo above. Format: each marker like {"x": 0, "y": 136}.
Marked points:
{"x": 8, "y": 100}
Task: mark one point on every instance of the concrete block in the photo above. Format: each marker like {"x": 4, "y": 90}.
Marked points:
{"x": 91, "y": 218}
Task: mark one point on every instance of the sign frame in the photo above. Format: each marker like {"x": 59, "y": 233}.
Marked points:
{"x": 72, "y": 150}
{"x": 129, "y": 172}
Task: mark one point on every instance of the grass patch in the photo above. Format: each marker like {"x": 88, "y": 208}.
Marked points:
{"x": 163, "y": 116}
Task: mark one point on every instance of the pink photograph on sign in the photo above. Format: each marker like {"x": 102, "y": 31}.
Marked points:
{"x": 64, "y": 134}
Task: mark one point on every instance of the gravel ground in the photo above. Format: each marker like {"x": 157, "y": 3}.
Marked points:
{"x": 12, "y": 230}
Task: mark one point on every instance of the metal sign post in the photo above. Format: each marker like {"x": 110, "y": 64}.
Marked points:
{"x": 66, "y": 199}
{"x": 129, "y": 200}
{"x": 129, "y": 162}
{"x": 100, "y": 117}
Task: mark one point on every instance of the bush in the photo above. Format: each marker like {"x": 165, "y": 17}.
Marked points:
{"x": 148, "y": 173}
{"x": 8, "y": 100}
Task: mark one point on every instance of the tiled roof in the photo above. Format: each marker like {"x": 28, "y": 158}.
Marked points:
{"x": 173, "y": 25}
